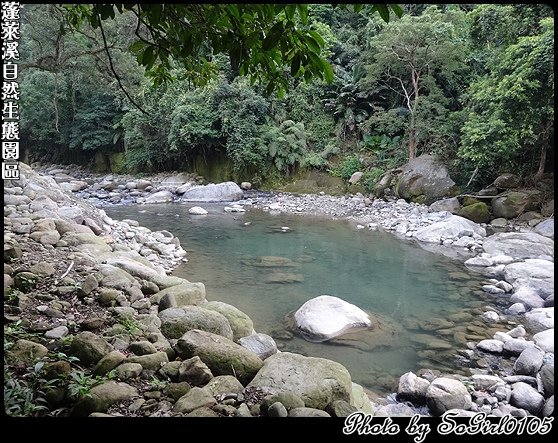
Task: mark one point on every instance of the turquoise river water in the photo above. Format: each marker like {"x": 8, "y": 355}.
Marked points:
{"x": 376, "y": 271}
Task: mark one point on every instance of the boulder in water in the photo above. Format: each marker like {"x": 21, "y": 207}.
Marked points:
{"x": 325, "y": 317}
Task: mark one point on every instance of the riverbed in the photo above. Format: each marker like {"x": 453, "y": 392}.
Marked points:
{"x": 414, "y": 290}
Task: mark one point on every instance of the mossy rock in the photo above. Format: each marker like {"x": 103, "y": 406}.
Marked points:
{"x": 469, "y": 201}
{"x": 116, "y": 161}
{"x": 477, "y": 212}
{"x": 313, "y": 182}
{"x": 317, "y": 381}
{"x": 241, "y": 324}
{"x": 356, "y": 188}
{"x": 221, "y": 355}
{"x": 420, "y": 199}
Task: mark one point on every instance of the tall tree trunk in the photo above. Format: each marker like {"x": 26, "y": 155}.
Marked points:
{"x": 542, "y": 158}
{"x": 415, "y": 78}
{"x": 412, "y": 138}
{"x": 542, "y": 161}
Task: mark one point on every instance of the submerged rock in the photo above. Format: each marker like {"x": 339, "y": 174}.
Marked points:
{"x": 283, "y": 278}
{"x": 325, "y": 317}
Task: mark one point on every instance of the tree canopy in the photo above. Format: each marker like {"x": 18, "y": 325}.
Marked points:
{"x": 259, "y": 39}
{"x": 471, "y": 84}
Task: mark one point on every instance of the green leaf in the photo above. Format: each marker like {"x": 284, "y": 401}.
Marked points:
{"x": 313, "y": 44}
{"x": 317, "y": 37}
{"x": 138, "y": 45}
{"x": 148, "y": 57}
{"x": 383, "y": 10}
{"x": 290, "y": 11}
{"x": 328, "y": 71}
{"x": 303, "y": 12}
{"x": 271, "y": 40}
{"x": 398, "y": 10}
{"x": 358, "y": 7}
{"x": 295, "y": 64}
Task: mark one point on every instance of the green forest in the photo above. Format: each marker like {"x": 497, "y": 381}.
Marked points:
{"x": 131, "y": 89}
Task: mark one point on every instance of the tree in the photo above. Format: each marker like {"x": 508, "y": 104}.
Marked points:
{"x": 414, "y": 56}
{"x": 260, "y": 39}
{"x": 511, "y": 109}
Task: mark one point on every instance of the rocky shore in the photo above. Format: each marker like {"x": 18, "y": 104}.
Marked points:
{"x": 94, "y": 324}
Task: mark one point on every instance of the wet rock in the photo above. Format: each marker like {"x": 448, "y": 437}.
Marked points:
{"x": 444, "y": 394}
{"x": 283, "y": 278}
{"x": 516, "y": 309}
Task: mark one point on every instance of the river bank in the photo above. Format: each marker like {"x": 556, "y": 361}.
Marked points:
{"x": 521, "y": 268}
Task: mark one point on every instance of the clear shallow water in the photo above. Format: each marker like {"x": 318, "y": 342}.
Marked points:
{"x": 373, "y": 270}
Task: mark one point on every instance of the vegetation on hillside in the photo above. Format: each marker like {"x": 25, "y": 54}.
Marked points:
{"x": 473, "y": 84}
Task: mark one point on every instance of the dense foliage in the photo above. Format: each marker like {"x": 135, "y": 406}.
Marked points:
{"x": 473, "y": 84}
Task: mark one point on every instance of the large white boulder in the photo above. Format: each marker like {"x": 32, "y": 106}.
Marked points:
{"x": 160, "y": 197}
{"x": 532, "y": 273}
{"x": 222, "y": 192}
{"x": 326, "y": 317}
{"x": 519, "y": 245}
{"x": 451, "y": 226}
